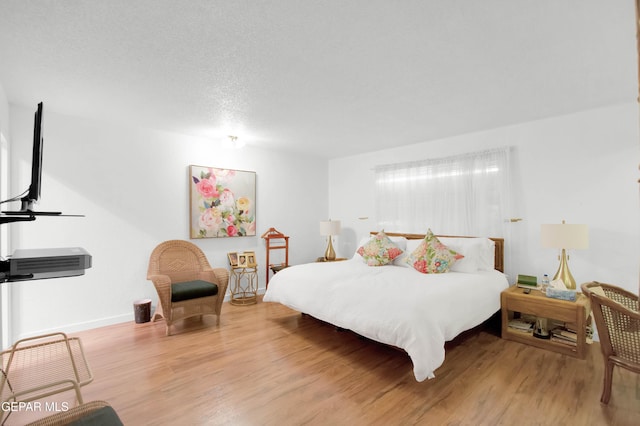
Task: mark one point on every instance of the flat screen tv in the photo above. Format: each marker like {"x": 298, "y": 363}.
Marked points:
{"x": 32, "y": 195}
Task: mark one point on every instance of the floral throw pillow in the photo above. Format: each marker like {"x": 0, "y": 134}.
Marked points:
{"x": 379, "y": 250}
{"x": 433, "y": 257}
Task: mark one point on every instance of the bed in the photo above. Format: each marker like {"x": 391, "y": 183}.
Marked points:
{"x": 394, "y": 303}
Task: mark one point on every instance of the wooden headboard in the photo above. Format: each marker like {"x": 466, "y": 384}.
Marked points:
{"x": 499, "y": 247}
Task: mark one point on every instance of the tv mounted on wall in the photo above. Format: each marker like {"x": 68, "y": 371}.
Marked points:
{"x": 33, "y": 264}
{"x": 33, "y": 193}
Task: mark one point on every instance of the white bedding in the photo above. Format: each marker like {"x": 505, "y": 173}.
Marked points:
{"x": 391, "y": 304}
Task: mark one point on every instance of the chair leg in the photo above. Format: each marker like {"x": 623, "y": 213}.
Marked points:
{"x": 608, "y": 378}
{"x": 158, "y": 314}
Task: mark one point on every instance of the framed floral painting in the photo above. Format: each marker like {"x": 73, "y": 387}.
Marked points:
{"x": 222, "y": 202}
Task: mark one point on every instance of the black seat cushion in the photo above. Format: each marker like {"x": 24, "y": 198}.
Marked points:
{"x": 192, "y": 290}
{"x": 105, "y": 416}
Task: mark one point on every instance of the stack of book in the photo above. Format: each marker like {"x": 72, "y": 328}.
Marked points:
{"x": 521, "y": 325}
{"x": 565, "y": 336}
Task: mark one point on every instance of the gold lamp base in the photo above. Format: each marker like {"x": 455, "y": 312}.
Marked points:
{"x": 330, "y": 253}
{"x": 563, "y": 272}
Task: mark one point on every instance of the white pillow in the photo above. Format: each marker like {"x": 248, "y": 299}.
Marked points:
{"x": 488, "y": 259}
{"x": 471, "y": 253}
{"x": 479, "y": 253}
{"x": 400, "y": 242}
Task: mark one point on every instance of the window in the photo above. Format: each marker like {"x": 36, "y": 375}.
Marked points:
{"x": 460, "y": 195}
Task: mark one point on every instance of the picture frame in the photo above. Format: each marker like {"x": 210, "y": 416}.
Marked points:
{"x": 250, "y": 259}
{"x": 242, "y": 260}
{"x": 233, "y": 258}
{"x": 222, "y": 202}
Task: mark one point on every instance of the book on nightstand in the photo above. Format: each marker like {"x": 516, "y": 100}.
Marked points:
{"x": 562, "y": 335}
{"x": 527, "y": 281}
{"x": 521, "y": 325}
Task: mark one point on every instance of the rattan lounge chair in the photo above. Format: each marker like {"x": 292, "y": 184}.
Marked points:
{"x": 618, "y": 323}
{"x": 37, "y": 367}
{"x": 187, "y": 285}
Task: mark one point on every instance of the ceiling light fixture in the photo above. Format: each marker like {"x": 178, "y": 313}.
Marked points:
{"x": 235, "y": 143}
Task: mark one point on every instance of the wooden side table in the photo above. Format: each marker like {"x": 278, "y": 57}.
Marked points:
{"x": 514, "y": 300}
{"x": 337, "y": 259}
{"x": 243, "y": 284}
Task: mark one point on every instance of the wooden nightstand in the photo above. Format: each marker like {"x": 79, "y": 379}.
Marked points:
{"x": 337, "y": 259}
{"x": 514, "y": 301}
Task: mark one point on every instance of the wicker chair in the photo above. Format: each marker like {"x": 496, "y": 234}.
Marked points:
{"x": 187, "y": 285}
{"x": 618, "y": 322}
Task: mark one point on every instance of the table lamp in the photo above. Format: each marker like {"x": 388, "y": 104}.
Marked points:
{"x": 565, "y": 236}
{"x": 328, "y": 228}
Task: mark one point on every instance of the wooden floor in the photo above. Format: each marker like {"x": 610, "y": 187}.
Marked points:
{"x": 268, "y": 365}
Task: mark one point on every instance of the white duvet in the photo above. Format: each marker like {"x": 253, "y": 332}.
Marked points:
{"x": 391, "y": 304}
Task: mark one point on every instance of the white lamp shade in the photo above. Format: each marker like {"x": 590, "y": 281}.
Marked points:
{"x": 564, "y": 236}
{"x": 329, "y": 227}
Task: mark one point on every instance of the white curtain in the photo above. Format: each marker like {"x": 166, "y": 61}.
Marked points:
{"x": 466, "y": 194}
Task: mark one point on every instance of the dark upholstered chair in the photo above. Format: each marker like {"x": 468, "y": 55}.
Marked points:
{"x": 187, "y": 285}
{"x": 618, "y": 322}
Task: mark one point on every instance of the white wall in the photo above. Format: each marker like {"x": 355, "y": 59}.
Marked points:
{"x": 132, "y": 185}
{"x": 582, "y": 168}
{"x": 4, "y": 185}
{"x": 4, "y": 111}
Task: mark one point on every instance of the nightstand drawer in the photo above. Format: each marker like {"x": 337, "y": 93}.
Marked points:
{"x": 539, "y": 305}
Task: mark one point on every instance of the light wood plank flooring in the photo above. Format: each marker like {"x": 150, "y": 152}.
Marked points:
{"x": 268, "y": 365}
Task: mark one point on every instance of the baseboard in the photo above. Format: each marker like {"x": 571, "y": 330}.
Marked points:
{"x": 102, "y": 322}
{"x": 81, "y": 326}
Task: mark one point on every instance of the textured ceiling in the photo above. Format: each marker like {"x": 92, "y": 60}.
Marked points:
{"x": 331, "y": 78}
